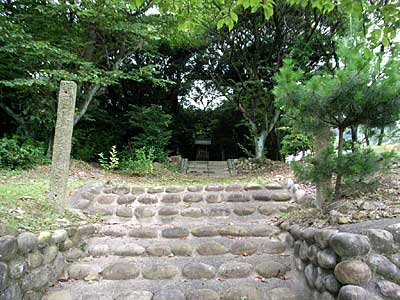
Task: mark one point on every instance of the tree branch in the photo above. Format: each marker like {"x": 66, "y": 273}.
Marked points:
{"x": 15, "y": 116}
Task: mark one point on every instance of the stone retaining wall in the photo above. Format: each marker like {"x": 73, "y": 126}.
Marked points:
{"x": 29, "y": 263}
{"x": 347, "y": 266}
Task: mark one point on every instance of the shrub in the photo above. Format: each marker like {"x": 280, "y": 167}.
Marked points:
{"x": 111, "y": 162}
{"x": 139, "y": 161}
{"x": 21, "y": 153}
{"x": 357, "y": 169}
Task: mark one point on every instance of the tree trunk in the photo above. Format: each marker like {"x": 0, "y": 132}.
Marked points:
{"x": 324, "y": 185}
{"x": 366, "y": 135}
{"x": 259, "y": 141}
{"x": 353, "y": 138}
{"x": 273, "y": 141}
{"x": 381, "y": 135}
{"x": 338, "y": 185}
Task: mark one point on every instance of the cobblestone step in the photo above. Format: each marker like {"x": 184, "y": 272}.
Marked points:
{"x": 103, "y": 246}
{"x": 179, "y": 268}
{"x": 171, "y": 232}
{"x": 217, "y": 289}
{"x": 167, "y": 213}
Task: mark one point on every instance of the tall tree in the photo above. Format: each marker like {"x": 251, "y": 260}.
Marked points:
{"x": 243, "y": 61}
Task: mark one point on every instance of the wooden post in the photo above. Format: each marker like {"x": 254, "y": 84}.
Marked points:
{"x": 62, "y": 145}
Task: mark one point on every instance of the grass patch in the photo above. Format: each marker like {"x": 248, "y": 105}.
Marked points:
{"x": 23, "y": 194}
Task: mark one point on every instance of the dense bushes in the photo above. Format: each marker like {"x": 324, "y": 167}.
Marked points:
{"x": 20, "y": 153}
{"x": 151, "y": 126}
{"x": 358, "y": 168}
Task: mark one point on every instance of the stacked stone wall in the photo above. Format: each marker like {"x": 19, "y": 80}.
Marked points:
{"x": 347, "y": 266}
{"x": 29, "y": 263}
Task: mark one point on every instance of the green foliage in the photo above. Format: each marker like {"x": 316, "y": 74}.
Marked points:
{"x": 151, "y": 126}
{"x": 139, "y": 161}
{"x": 111, "y": 162}
{"x": 357, "y": 169}
{"x": 315, "y": 170}
{"x": 20, "y": 153}
{"x": 295, "y": 142}
{"x": 363, "y": 91}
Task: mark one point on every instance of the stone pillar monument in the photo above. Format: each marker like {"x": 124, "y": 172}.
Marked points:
{"x": 62, "y": 145}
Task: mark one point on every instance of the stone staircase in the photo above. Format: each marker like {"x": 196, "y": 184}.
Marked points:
{"x": 177, "y": 243}
{"x": 208, "y": 168}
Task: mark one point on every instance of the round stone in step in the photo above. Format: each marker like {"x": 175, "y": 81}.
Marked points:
{"x": 207, "y": 231}
{"x": 171, "y": 198}
{"x": 126, "y": 199}
{"x": 138, "y": 295}
{"x": 155, "y": 190}
{"x": 98, "y": 250}
{"x": 193, "y": 212}
{"x": 143, "y": 233}
{"x": 198, "y": 271}
{"x": 281, "y": 196}
{"x": 193, "y": 197}
{"x": 82, "y": 204}
{"x": 174, "y": 189}
{"x": 124, "y": 212}
{"x": 158, "y": 250}
{"x": 273, "y": 247}
{"x": 243, "y": 248}
{"x": 195, "y": 189}
{"x": 158, "y": 272}
{"x": 121, "y": 271}
{"x": 244, "y": 211}
{"x": 121, "y": 190}
{"x": 262, "y": 196}
{"x": 175, "y": 233}
{"x": 127, "y": 249}
{"x": 268, "y": 210}
{"x": 115, "y": 231}
{"x": 219, "y": 212}
{"x": 81, "y": 271}
{"x": 169, "y": 295}
{"x": 106, "y": 199}
{"x": 235, "y": 270}
{"x": 234, "y": 188}
{"x": 282, "y": 293}
{"x": 137, "y": 190}
{"x": 273, "y": 186}
{"x": 236, "y": 231}
{"x": 203, "y": 294}
{"x": 253, "y": 187}
{"x": 241, "y": 292}
{"x": 214, "y": 188}
{"x": 213, "y": 198}
{"x": 168, "y": 211}
{"x": 148, "y": 199}
{"x": 211, "y": 248}
{"x": 144, "y": 212}
{"x": 263, "y": 230}
{"x": 181, "y": 249}
{"x": 270, "y": 269}
{"x": 236, "y": 197}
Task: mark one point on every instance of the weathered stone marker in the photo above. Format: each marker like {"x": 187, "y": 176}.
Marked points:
{"x": 62, "y": 144}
